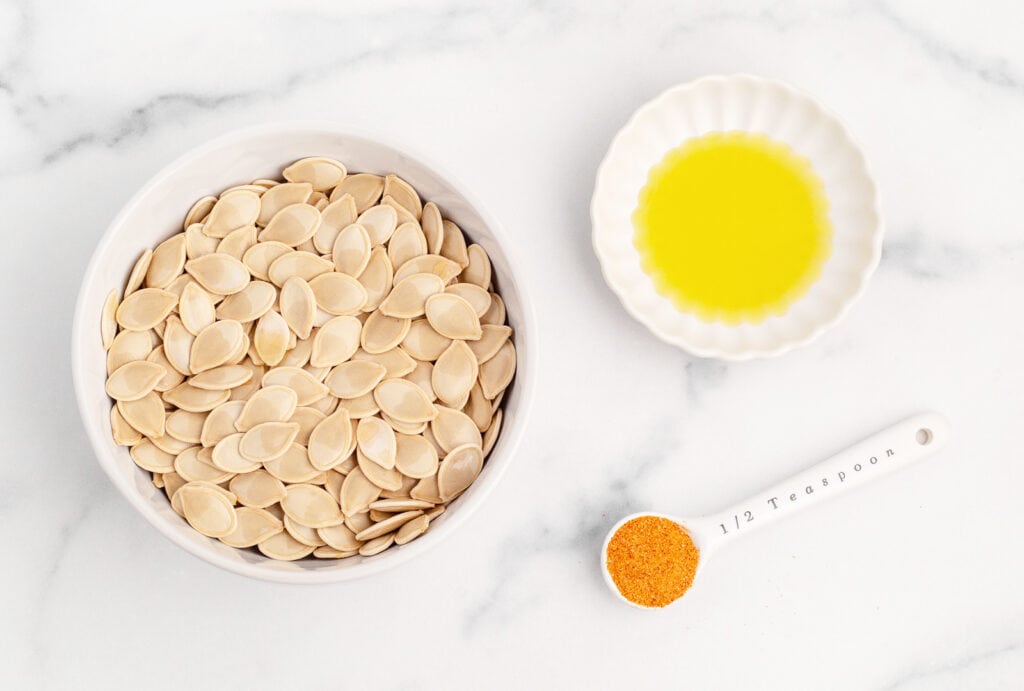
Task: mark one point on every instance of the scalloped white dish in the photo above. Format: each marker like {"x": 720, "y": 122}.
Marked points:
{"x": 748, "y": 104}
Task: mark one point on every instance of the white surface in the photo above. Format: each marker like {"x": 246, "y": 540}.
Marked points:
{"x": 727, "y": 103}
{"x": 154, "y": 213}
{"x": 913, "y": 583}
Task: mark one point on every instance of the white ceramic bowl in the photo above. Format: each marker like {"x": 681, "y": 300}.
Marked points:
{"x": 750, "y": 104}
{"x": 156, "y": 212}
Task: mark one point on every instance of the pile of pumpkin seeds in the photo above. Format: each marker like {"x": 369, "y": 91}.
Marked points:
{"x": 314, "y": 366}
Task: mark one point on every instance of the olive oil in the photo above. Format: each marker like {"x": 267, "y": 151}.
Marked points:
{"x": 733, "y": 227}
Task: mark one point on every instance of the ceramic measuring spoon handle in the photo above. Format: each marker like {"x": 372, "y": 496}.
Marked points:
{"x": 887, "y": 451}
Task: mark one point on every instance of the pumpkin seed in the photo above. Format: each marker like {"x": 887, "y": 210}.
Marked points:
{"x": 377, "y": 545}
{"x": 408, "y": 298}
{"x": 108, "y": 322}
{"x": 336, "y": 216}
{"x": 258, "y": 489}
{"x": 233, "y": 210}
{"x": 307, "y": 419}
{"x": 238, "y": 242}
{"x": 329, "y": 442}
{"x": 429, "y": 264}
{"x": 260, "y": 256}
{"x": 415, "y": 457}
{"x": 267, "y": 441}
{"x": 402, "y": 215}
{"x": 215, "y": 345}
{"x": 376, "y": 278}
{"x": 199, "y": 211}
{"x": 404, "y": 427}
{"x": 380, "y": 223}
{"x": 354, "y": 379}
{"x": 497, "y": 372}
{"x": 305, "y": 265}
{"x": 361, "y": 406}
{"x": 454, "y": 373}
{"x": 421, "y": 377}
{"x": 220, "y": 422}
{"x": 492, "y": 338}
{"x": 166, "y": 262}
{"x": 407, "y": 243}
{"x": 145, "y": 308}
{"x": 186, "y": 426}
{"x": 311, "y": 506}
{"x": 150, "y": 457}
{"x": 304, "y": 534}
{"x": 404, "y": 401}
{"x": 376, "y": 441}
{"x": 433, "y": 230}
{"x": 284, "y": 547}
{"x": 478, "y": 408}
{"x": 478, "y": 270}
{"x": 123, "y": 433}
{"x": 292, "y": 225}
{"x": 453, "y": 317}
{"x": 382, "y": 333}
{"x": 400, "y": 505}
{"x": 365, "y": 188}
{"x": 385, "y": 478}
{"x": 271, "y": 338}
{"x": 195, "y": 308}
{"x": 134, "y": 380}
{"x": 254, "y": 526}
{"x": 458, "y": 470}
{"x": 298, "y": 380}
{"x": 298, "y": 306}
{"x": 351, "y": 250}
{"x": 192, "y": 399}
{"x": 454, "y": 244}
{"x": 198, "y": 243}
{"x": 403, "y": 193}
{"x": 170, "y": 445}
{"x": 396, "y": 361}
{"x": 145, "y": 414}
{"x": 412, "y": 529}
{"x": 193, "y": 465}
{"x": 207, "y": 510}
{"x": 357, "y": 493}
{"x": 248, "y": 305}
{"x": 219, "y": 273}
{"x": 495, "y": 314}
{"x": 221, "y": 378}
{"x": 476, "y": 296}
{"x": 387, "y": 525}
{"x": 129, "y": 346}
{"x": 322, "y": 173}
{"x": 338, "y": 293}
{"x": 171, "y": 377}
{"x": 426, "y": 490}
{"x": 227, "y": 455}
{"x": 138, "y": 273}
{"x": 292, "y": 466}
{"x": 453, "y": 428}
{"x": 339, "y": 537}
{"x": 335, "y": 342}
{"x": 280, "y": 196}
{"x": 491, "y": 435}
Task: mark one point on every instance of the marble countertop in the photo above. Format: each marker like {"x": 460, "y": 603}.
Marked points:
{"x": 913, "y": 583}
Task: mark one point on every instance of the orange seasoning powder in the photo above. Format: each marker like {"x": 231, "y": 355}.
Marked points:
{"x": 652, "y": 561}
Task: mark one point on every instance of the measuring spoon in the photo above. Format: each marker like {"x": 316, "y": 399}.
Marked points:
{"x": 893, "y": 448}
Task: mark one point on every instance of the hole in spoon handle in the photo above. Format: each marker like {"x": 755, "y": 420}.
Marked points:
{"x": 882, "y": 453}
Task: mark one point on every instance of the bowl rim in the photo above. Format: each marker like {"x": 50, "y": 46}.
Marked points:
{"x": 624, "y": 293}
{"x": 526, "y": 370}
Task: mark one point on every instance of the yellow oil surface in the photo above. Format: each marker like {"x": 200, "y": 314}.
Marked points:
{"x": 733, "y": 227}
